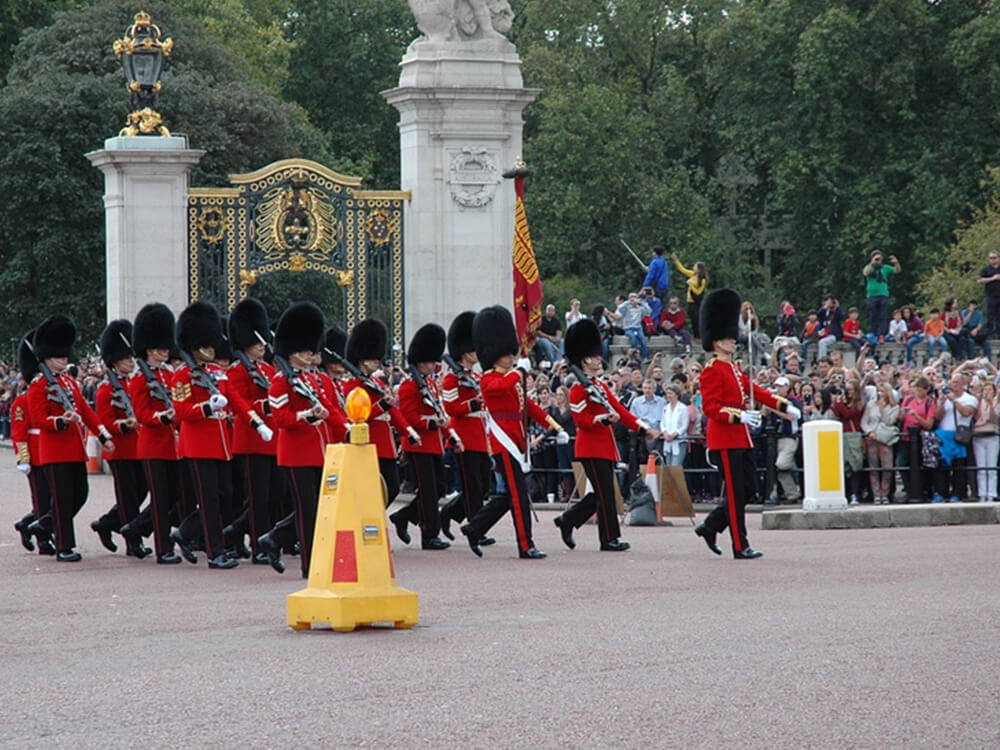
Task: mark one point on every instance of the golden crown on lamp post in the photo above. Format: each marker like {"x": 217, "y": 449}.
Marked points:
{"x": 143, "y": 55}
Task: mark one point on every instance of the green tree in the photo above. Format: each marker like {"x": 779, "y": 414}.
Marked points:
{"x": 65, "y": 95}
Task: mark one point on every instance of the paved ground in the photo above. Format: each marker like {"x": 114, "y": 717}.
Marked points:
{"x": 851, "y": 639}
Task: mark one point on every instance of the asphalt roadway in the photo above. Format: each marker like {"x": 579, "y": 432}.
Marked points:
{"x": 874, "y": 638}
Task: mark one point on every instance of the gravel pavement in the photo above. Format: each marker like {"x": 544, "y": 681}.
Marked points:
{"x": 874, "y": 638}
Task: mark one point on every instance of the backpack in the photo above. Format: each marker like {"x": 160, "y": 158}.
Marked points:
{"x": 641, "y": 506}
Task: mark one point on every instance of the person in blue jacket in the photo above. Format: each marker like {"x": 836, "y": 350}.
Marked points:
{"x": 658, "y": 274}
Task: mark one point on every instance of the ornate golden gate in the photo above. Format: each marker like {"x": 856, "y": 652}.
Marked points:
{"x": 296, "y": 215}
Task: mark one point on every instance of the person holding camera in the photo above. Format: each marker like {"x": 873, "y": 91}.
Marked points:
{"x": 877, "y": 276}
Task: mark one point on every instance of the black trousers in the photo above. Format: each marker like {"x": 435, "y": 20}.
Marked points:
{"x": 41, "y": 497}
{"x": 304, "y": 482}
{"x": 389, "y": 470}
{"x": 264, "y": 484}
{"x": 952, "y": 481}
{"x": 212, "y": 481}
{"x": 475, "y": 468}
{"x": 423, "y": 511}
{"x": 68, "y": 482}
{"x": 515, "y": 499}
{"x": 601, "y": 473}
{"x": 130, "y": 490}
{"x": 737, "y": 469}
{"x": 165, "y": 498}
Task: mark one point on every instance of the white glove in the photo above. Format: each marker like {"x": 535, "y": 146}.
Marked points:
{"x": 24, "y": 469}
{"x": 750, "y": 418}
{"x": 524, "y": 364}
{"x": 793, "y": 412}
{"x": 562, "y": 437}
{"x": 217, "y": 401}
{"x": 265, "y": 432}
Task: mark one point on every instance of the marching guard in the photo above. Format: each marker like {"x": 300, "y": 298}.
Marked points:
{"x": 115, "y": 410}
{"x": 199, "y": 390}
{"x": 496, "y": 343}
{"x": 365, "y": 349}
{"x": 420, "y": 404}
{"x": 302, "y": 414}
{"x": 728, "y": 399}
{"x": 24, "y": 435}
{"x": 63, "y": 416}
{"x": 595, "y": 409}
{"x": 463, "y": 401}
{"x": 254, "y": 450}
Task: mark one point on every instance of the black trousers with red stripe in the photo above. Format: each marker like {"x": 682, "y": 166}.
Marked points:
{"x": 423, "y": 511}
{"x": 165, "y": 497}
{"x": 304, "y": 482}
{"x": 264, "y": 484}
{"x": 41, "y": 498}
{"x": 475, "y": 468}
{"x": 389, "y": 469}
{"x": 68, "y": 482}
{"x": 212, "y": 482}
{"x": 130, "y": 490}
{"x": 515, "y": 500}
{"x": 601, "y": 473}
{"x": 738, "y": 471}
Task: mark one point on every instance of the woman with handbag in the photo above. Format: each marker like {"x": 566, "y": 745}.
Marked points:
{"x": 879, "y": 427}
{"x": 918, "y": 409}
{"x": 986, "y": 443}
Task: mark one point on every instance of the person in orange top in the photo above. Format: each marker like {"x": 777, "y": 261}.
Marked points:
{"x": 731, "y": 402}
{"x": 64, "y": 416}
{"x": 934, "y": 333}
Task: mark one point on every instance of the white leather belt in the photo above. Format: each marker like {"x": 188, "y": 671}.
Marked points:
{"x": 34, "y": 431}
{"x": 383, "y": 417}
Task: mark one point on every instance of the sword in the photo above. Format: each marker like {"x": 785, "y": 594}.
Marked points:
{"x": 621, "y": 239}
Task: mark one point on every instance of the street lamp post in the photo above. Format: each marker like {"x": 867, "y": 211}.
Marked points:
{"x": 143, "y": 55}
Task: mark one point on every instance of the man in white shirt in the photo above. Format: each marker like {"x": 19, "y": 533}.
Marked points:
{"x": 955, "y": 407}
{"x": 649, "y": 409}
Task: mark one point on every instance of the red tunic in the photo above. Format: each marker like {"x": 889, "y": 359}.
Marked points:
{"x": 504, "y": 397}
{"x": 157, "y": 439}
{"x": 724, "y": 395}
{"x": 419, "y": 415}
{"x": 378, "y": 421}
{"x": 60, "y": 441}
{"x": 249, "y": 404}
{"x": 470, "y": 425}
{"x": 23, "y": 433}
{"x": 204, "y": 433}
{"x": 595, "y": 437}
{"x": 126, "y": 440}
{"x": 300, "y": 443}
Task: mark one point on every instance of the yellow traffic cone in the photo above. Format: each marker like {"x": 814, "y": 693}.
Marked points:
{"x": 352, "y": 579}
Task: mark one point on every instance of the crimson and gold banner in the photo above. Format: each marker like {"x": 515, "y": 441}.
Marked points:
{"x": 527, "y": 283}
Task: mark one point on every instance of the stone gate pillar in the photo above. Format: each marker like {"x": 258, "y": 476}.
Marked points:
{"x": 145, "y": 201}
{"x": 460, "y": 103}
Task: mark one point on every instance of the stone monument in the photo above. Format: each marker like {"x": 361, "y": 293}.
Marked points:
{"x": 146, "y": 173}
{"x": 460, "y": 99}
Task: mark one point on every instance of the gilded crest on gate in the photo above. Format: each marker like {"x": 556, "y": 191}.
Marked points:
{"x": 296, "y": 218}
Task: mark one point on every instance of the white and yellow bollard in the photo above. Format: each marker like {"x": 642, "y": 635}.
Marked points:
{"x": 823, "y": 465}
{"x": 352, "y": 579}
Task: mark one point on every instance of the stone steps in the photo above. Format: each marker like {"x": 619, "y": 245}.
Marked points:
{"x": 882, "y": 516}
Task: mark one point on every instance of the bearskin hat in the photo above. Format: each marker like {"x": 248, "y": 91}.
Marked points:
{"x": 494, "y": 335}
{"x": 199, "y": 325}
{"x": 248, "y": 324}
{"x": 300, "y": 329}
{"x": 116, "y": 341}
{"x": 367, "y": 341}
{"x": 54, "y": 338}
{"x": 583, "y": 339}
{"x": 334, "y": 345}
{"x": 460, "y": 335}
{"x": 26, "y": 360}
{"x": 154, "y": 329}
{"x": 720, "y": 313}
{"x": 427, "y": 344}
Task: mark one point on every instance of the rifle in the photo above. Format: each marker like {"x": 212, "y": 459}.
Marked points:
{"x": 298, "y": 384}
{"x": 432, "y": 402}
{"x": 199, "y": 376}
{"x": 56, "y": 391}
{"x": 258, "y": 378}
{"x": 156, "y": 389}
{"x": 119, "y": 396}
{"x": 463, "y": 375}
{"x": 594, "y": 392}
{"x": 366, "y": 380}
